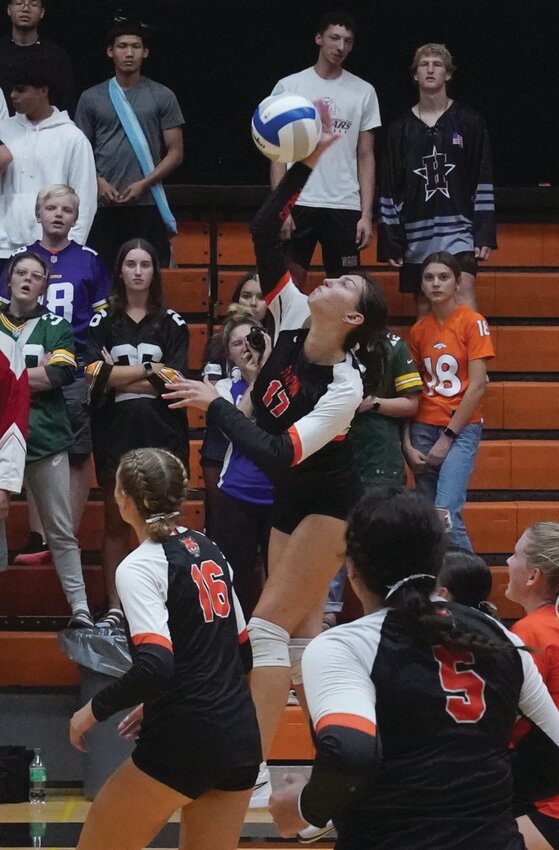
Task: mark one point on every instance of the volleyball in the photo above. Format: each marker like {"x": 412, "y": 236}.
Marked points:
{"x": 286, "y": 127}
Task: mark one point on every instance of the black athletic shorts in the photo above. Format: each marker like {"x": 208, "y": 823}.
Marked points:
{"x": 410, "y": 273}
{"x": 195, "y": 757}
{"x": 548, "y": 826}
{"x": 327, "y": 492}
{"x": 334, "y": 230}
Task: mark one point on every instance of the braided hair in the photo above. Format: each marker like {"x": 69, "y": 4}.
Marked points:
{"x": 396, "y": 543}
{"x": 156, "y": 481}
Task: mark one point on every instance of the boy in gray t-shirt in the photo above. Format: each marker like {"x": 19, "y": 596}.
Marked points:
{"x": 126, "y": 206}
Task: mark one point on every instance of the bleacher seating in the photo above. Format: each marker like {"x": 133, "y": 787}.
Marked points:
{"x": 518, "y": 460}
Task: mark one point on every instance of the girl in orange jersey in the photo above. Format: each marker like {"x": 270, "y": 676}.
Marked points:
{"x": 451, "y": 346}
{"x": 534, "y": 584}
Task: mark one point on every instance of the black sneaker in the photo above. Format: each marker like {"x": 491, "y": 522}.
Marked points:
{"x": 81, "y": 619}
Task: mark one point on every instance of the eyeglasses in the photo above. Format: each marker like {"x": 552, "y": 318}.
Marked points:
{"x": 37, "y": 277}
{"x": 33, "y": 4}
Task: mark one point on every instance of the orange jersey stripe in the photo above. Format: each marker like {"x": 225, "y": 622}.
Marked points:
{"x": 283, "y": 281}
{"x": 150, "y": 637}
{"x": 297, "y": 447}
{"x": 352, "y": 721}
{"x": 243, "y": 636}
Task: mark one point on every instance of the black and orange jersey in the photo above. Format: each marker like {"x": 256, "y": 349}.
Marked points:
{"x": 443, "y": 353}
{"x": 186, "y": 627}
{"x": 412, "y": 739}
{"x": 303, "y": 410}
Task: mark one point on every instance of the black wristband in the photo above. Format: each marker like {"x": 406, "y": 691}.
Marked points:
{"x": 376, "y": 405}
{"x": 448, "y": 432}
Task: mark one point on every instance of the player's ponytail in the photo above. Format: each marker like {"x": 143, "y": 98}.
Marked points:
{"x": 395, "y": 542}
{"x": 156, "y": 481}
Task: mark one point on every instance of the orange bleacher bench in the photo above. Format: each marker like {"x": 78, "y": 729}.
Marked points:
{"x": 187, "y": 290}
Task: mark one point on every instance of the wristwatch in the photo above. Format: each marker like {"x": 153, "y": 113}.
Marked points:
{"x": 448, "y": 432}
{"x": 376, "y": 405}
{"x": 148, "y": 368}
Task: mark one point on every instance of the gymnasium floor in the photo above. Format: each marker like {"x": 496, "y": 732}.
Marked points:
{"x": 56, "y": 825}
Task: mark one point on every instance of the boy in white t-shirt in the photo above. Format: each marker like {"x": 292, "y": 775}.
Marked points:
{"x": 335, "y": 207}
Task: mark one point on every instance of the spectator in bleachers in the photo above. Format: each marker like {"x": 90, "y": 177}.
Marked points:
{"x": 129, "y": 345}
{"x": 78, "y": 288}
{"x": 248, "y": 293}
{"x": 534, "y": 584}
{"x": 47, "y": 148}
{"x": 335, "y": 208}
{"x": 451, "y": 346}
{"x": 391, "y": 385}
{"x": 436, "y": 181}
{"x": 25, "y": 42}
{"x": 135, "y": 127}
{"x": 48, "y": 347}
{"x": 465, "y": 578}
{"x": 14, "y": 415}
{"x": 246, "y": 495}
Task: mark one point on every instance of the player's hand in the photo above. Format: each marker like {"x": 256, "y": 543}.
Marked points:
{"x": 47, "y": 357}
{"x": 482, "y": 253}
{"x": 107, "y": 193}
{"x": 81, "y": 722}
{"x": 416, "y": 460}
{"x": 187, "y": 393}
{"x": 4, "y": 504}
{"x": 284, "y": 805}
{"x": 327, "y": 137}
{"x": 364, "y": 233}
{"x": 439, "y": 451}
{"x": 287, "y": 229}
{"x": 129, "y": 728}
{"x": 396, "y": 264}
{"x": 132, "y": 192}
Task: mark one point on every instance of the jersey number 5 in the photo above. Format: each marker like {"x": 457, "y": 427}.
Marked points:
{"x": 464, "y": 688}
{"x": 213, "y": 591}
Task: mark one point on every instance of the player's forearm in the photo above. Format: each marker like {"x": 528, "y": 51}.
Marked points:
{"x": 471, "y": 400}
{"x": 277, "y": 173}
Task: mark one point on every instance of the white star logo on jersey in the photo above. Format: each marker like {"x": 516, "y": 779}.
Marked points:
{"x": 439, "y": 345}
{"x": 434, "y": 172}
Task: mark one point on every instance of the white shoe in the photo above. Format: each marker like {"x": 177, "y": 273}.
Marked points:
{"x": 292, "y": 698}
{"x": 262, "y": 789}
{"x": 313, "y": 833}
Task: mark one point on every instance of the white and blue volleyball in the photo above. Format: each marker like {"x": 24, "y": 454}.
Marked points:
{"x": 286, "y": 127}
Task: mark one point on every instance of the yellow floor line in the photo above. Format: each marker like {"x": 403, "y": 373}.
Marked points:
{"x": 68, "y": 811}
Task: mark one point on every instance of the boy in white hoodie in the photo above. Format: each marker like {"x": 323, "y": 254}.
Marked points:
{"x": 46, "y": 147}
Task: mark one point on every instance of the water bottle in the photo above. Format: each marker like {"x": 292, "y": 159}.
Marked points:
{"x": 37, "y": 832}
{"x": 37, "y": 778}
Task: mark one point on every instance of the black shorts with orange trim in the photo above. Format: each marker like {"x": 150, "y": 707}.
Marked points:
{"x": 327, "y": 491}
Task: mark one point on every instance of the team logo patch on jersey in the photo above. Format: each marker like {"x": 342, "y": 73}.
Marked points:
{"x": 439, "y": 345}
{"x": 191, "y": 545}
{"x": 435, "y": 171}
{"x": 457, "y": 140}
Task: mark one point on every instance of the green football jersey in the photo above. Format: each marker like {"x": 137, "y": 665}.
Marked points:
{"x": 376, "y": 439}
{"x": 49, "y": 426}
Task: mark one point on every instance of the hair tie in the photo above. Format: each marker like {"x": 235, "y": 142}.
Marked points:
{"x": 161, "y": 517}
{"x": 392, "y": 589}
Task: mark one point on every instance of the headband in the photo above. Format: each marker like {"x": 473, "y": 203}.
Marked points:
{"x": 392, "y": 589}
